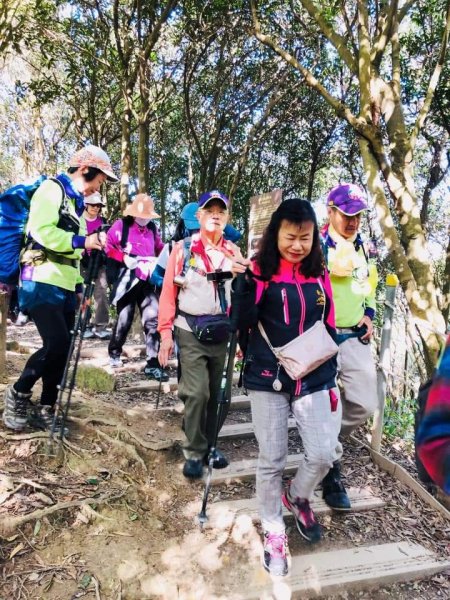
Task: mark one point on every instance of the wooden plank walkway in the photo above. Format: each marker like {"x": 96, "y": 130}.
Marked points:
{"x": 223, "y": 514}
{"x": 352, "y": 569}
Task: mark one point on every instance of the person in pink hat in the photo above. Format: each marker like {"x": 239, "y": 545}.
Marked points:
{"x": 50, "y": 282}
{"x": 133, "y": 243}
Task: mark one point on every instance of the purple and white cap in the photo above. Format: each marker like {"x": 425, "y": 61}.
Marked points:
{"x": 348, "y": 198}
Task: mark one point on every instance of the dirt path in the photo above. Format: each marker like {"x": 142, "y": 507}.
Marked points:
{"x": 129, "y": 529}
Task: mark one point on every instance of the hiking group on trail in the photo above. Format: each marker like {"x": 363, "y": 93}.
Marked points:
{"x": 304, "y": 306}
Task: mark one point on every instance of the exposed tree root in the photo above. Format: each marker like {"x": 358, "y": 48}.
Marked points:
{"x": 148, "y": 445}
{"x": 9, "y": 524}
{"x": 18, "y": 437}
{"x": 128, "y": 448}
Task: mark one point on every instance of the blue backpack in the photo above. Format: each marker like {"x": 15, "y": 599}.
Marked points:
{"x": 14, "y": 209}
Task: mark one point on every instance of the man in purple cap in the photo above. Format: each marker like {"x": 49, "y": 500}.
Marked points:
{"x": 353, "y": 280}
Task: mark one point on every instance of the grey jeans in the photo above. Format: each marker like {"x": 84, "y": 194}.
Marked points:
{"x": 318, "y": 427}
{"x": 357, "y": 379}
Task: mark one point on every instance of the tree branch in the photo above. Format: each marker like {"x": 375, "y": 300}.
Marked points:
{"x": 338, "y": 41}
{"x": 434, "y": 80}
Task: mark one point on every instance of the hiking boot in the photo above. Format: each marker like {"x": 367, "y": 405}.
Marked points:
{"x": 155, "y": 371}
{"x": 15, "y": 413}
{"x": 305, "y": 520}
{"x": 22, "y": 319}
{"x": 219, "y": 460}
{"x": 41, "y": 417}
{"x": 333, "y": 490}
{"x": 274, "y": 557}
{"x": 115, "y": 362}
{"x": 193, "y": 468}
{"x": 102, "y": 334}
{"x": 88, "y": 334}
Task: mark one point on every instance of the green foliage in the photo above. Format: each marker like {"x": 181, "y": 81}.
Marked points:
{"x": 94, "y": 379}
{"x": 399, "y": 418}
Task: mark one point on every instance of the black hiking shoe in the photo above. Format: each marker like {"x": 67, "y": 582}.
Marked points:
{"x": 220, "y": 461}
{"x": 41, "y": 417}
{"x": 305, "y": 519}
{"x": 155, "y": 371}
{"x": 193, "y": 468}
{"x": 333, "y": 490}
{"x": 15, "y": 413}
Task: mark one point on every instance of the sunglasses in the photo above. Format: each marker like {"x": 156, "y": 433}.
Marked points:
{"x": 95, "y": 205}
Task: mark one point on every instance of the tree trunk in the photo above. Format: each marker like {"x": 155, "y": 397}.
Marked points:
{"x": 428, "y": 318}
{"x": 142, "y": 156}
{"x": 125, "y": 166}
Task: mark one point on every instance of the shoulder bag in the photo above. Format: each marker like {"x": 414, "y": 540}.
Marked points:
{"x": 305, "y": 353}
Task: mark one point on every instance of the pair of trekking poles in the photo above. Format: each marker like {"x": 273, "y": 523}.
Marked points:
{"x": 82, "y": 319}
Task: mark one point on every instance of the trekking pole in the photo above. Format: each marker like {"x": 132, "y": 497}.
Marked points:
{"x": 159, "y": 390}
{"x": 222, "y": 398}
{"x": 81, "y": 322}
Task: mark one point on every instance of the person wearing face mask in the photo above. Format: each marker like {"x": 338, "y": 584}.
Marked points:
{"x": 93, "y": 206}
{"x": 134, "y": 242}
{"x": 50, "y": 281}
{"x": 353, "y": 280}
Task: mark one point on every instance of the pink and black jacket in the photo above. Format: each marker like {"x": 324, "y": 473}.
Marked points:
{"x": 287, "y": 305}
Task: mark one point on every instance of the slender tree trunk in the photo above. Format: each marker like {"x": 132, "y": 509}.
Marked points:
{"x": 125, "y": 166}
{"x": 142, "y": 156}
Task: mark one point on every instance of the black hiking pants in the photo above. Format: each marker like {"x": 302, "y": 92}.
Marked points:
{"x": 54, "y": 325}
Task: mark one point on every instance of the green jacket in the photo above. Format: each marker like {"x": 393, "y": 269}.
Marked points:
{"x": 353, "y": 296}
{"x": 42, "y": 226}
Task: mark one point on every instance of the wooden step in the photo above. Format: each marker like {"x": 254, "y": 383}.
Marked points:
{"x": 239, "y": 402}
{"x": 224, "y": 514}
{"x": 356, "y": 568}
{"x": 246, "y": 469}
{"x": 243, "y": 430}
{"x": 153, "y": 386}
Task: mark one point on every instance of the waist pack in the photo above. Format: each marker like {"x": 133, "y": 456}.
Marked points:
{"x": 306, "y": 352}
{"x": 209, "y": 329}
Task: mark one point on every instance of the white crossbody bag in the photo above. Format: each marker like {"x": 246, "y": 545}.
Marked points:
{"x": 306, "y": 352}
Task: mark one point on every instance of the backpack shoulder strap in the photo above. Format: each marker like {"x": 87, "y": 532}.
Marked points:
{"x": 64, "y": 196}
{"x": 125, "y": 232}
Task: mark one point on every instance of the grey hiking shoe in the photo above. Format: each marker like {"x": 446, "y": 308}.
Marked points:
{"x": 15, "y": 412}
{"x": 41, "y": 417}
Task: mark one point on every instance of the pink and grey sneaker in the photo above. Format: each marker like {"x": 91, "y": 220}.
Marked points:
{"x": 275, "y": 558}
{"x": 305, "y": 520}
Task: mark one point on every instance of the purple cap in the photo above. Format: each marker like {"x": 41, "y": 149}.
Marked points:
{"x": 214, "y": 195}
{"x": 348, "y": 198}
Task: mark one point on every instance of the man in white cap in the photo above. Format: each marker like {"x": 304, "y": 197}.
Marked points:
{"x": 94, "y": 221}
{"x": 353, "y": 280}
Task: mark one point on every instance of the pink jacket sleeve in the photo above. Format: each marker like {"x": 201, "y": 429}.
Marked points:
{"x": 113, "y": 248}
{"x": 331, "y": 319}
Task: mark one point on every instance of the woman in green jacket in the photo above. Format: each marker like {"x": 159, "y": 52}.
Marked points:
{"x": 50, "y": 281}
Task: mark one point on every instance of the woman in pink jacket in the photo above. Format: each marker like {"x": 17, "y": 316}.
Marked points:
{"x": 132, "y": 244}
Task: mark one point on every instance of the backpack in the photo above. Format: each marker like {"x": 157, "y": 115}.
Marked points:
{"x": 14, "y": 211}
{"x": 113, "y": 266}
{"x": 422, "y": 398}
